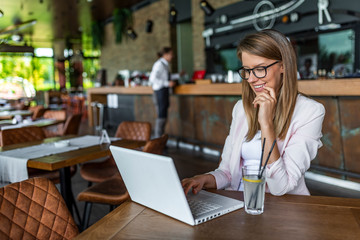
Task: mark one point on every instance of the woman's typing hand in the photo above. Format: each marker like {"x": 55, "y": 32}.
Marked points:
{"x": 198, "y": 182}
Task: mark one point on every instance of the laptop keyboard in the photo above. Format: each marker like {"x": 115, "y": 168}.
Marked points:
{"x": 199, "y": 207}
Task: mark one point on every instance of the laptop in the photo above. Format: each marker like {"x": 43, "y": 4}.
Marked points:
{"x": 152, "y": 181}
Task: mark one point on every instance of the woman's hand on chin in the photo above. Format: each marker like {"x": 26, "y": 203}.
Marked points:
{"x": 266, "y": 102}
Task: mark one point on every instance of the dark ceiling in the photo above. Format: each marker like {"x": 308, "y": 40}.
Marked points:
{"x": 55, "y": 19}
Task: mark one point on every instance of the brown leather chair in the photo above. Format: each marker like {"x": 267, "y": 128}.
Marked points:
{"x": 38, "y": 111}
{"x": 134, "y": 130}
{"x": 113, "y": 191}
{"x": 55, "y": 114}
{"x": 30, "y": 134}
{"x": 21, "y": 135}
{"x": 72, "y": 125}
{"x": 101, "y": 171}
{"x": 57, "y": 130}
{"x": 34, "y": 209}
{"x": 157, "y": 145}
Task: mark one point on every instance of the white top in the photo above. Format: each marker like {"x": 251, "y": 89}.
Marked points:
{"x": 251, "y": 153}
{"x": 297, "y": 149}
{"x": 159, "y": 75}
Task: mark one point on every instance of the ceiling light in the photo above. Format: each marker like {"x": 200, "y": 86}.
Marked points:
{"x": 131, "y": 33}
{"x": 330, "y": 26}
{"x": 172, "y": 15}
{"x": 149, "y": 26}
{"x": 17, "y": 38}
{"x": 206, "y": 7}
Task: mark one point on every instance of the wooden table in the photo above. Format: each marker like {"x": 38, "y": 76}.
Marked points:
{"x": 11, "y": 114}
{"x": 63, "y": 161}
{"x": 41, "y": 124}
{"x": 6, "y": 108}
{"x": 286, "y": 217}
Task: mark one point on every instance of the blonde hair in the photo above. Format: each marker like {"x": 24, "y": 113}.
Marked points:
{"x": 273, "y": 45}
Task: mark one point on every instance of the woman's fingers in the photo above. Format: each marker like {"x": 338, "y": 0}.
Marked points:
{"x": 263, "y": 98}
{"x": 187, "y": 184}
{"x": 267, "y": 102}
{"x": 193, "y": 183}
{"x": 271, "y": 92}
{"x": 196, "y": 189}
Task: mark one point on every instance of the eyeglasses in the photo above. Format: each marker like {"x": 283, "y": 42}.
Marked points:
{"x": 259, "y": 72}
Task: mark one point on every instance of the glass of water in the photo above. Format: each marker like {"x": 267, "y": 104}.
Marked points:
{"x": 254, "y": 189}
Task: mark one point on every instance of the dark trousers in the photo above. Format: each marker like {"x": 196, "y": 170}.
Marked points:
{"x": 162, "y": 102}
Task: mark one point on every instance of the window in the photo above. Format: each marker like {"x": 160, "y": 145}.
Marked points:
{"x": 39, "y": 71}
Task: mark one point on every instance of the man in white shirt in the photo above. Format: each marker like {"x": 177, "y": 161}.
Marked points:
{"x": 160, "y": 79}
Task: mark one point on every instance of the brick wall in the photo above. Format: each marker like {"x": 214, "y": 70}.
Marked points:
{"x": 138, "y": 54}
{"x": 198, "y": 17}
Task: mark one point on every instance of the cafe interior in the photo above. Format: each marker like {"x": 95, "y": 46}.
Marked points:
{"x": 75, "y": 79}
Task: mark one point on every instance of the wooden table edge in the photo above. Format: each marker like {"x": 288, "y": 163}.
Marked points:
{"x": 37, "y": 163}
{"x": 40, "y": 163}
{"x": 298, "y": 199}
{"x": 288, "y": 199}
{"x": 94, "y": 230}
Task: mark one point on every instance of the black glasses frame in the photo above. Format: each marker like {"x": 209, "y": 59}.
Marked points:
{"x": 249, "y": 70}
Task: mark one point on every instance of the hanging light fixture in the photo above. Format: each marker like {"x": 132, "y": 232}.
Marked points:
{"x": 149, "y": 26}
{"x": 131, "y": 33}
{"x": 172, "y": 14}
{"x": 206, "y": 7}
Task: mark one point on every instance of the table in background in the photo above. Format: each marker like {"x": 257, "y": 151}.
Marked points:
{"x": 42, "y": 123}
{"x": 6, "y": 108}
{"x": 285, "y": 217}
{"x": 63, "y": 161}
{"x": 11, "y": 114}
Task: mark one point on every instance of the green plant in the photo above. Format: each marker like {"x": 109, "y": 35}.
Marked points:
{"x": 122, "y": 19}
{"x": 97, "y": 32}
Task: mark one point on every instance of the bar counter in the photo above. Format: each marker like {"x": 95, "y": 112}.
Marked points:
{"x": 201, "y": 114}
{"x": 334, "y": 87}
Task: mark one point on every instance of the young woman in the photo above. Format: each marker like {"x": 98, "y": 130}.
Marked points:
{"x": 271, "y": 108}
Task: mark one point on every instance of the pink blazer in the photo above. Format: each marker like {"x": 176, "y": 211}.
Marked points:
{"x": 297, "y": 150}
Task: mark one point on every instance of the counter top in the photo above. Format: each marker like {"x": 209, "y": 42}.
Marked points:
{"x": 331, "y": 87}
